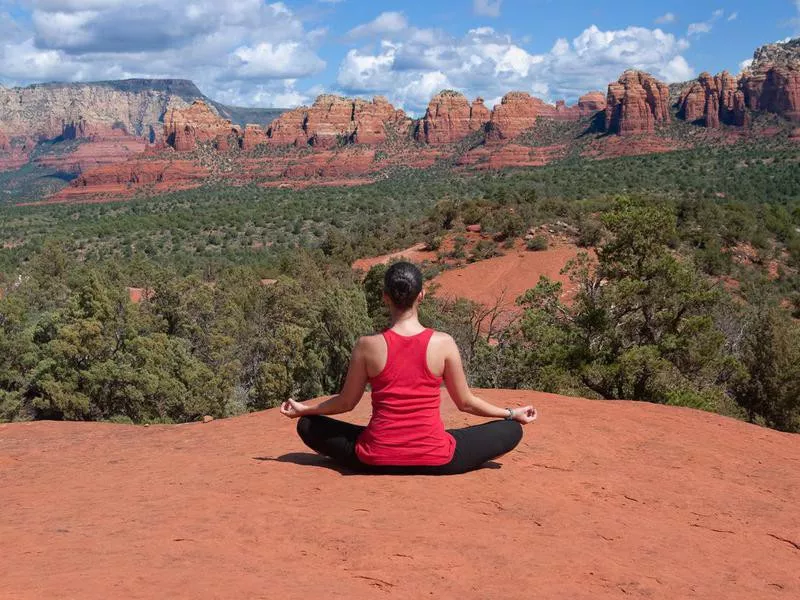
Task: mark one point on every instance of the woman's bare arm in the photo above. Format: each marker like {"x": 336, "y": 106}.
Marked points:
{"x": 344, "y": 401}
{"x": 456, "y": 382}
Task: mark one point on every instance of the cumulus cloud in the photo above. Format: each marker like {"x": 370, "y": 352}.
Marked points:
{"x": 242, "y": 49}
{"x": 387, "y": 22}
{"x": 487, "y": 8}
{"x": 666, "y": 19}
{"x": 409, "y": 68}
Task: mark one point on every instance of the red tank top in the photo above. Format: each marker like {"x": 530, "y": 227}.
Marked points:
{"x": 406, "y": 428}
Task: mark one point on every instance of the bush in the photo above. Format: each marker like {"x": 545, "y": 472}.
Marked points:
{"x": 536, "y": 243}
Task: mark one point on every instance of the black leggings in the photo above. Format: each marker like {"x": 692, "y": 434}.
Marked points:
{"x": 474, "y": 445}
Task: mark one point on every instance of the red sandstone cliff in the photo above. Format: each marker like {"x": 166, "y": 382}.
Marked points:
{"x": 450, "y": 117}
{"x": 772, "y": 83}
{"x": 636, "y": 103}
{"x": 184, "y": 128}
{"x": 591, "y": 103}
{"x": 713, "y": 100}
{"x": 333, "y": 120}
{"x": 253, "y": 136}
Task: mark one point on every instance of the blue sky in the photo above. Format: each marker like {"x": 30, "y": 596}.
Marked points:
{"x": 257, "y": 53}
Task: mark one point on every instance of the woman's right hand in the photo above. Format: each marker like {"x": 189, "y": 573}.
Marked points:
{"x": 293, "y": 409}
{"x": 525, "y": 414}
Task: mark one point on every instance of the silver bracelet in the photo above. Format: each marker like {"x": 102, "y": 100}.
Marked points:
{"x": 510, "y": 416}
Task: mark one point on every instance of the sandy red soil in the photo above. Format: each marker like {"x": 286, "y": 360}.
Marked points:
{"x": 506, "y": 277}
{"x": 416, "y": 253}
{"x": 601, "y": 500}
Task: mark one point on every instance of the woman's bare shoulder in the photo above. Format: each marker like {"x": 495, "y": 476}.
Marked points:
{"x": 440, "y": 338}
{"x": 371, "y": 341}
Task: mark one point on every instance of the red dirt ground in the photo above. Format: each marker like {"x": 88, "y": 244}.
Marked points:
{"x": 510, "y": 275}
{"x": 601, "y": 500}
{"x": 415, "y": 254}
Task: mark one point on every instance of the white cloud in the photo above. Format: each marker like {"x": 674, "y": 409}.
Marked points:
{"x": 706, "y": 26}
{"x": 733, "y": 16}
{"x": 245, "y": 50}
{"x": 697, "y": 28}
{"x": 273, "y": 61}
{"x": 487, "y": 8}
{"x": 666, "y": 19}
{"x": 387, "y": 22}
{"x": 489, "y": 64}
{"x": 745, "y": 64}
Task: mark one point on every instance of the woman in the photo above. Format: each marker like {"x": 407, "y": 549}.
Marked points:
{"x": 405, "y": 366}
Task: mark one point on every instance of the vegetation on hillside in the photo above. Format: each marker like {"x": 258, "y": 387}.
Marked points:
{"x": 693, "y": 299}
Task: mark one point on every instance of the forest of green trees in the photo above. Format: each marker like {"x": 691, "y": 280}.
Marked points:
{"x": 652, "y": 319}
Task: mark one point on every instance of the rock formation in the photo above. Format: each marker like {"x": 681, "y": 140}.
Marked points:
{"x": 636, "y": 103}
{"x": 51, "y": 111}
{"x": 771, "y": 83}
{"x": 333, "y": 120}
{"x": 450, "y": 117}
{"x": 376, "y": 120}
{"x": 775, "y": 89}
{"x": 185, "y": 128}
{"x": 591, "y": 103}
{"x": 253, "y": 136}
{"x": 713, "y": 100}
{"x": 516, "y": 112}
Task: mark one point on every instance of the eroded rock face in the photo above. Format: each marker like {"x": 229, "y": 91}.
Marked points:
{"x": 712, "y": 101}
{"x": 147, "y": 172}
{"x": 450, "y": 118}
{"x": 51, "y": 111}
{"x": 591, "y": 103}
{"x": 516, "y": 112}
{"x": 774, "y": 89}
{"x": 636, "y": 104}
{"x": 377, "y": 120}
{"x": 185, "y": 128}
{"x": 253, "y": 136}
{"x": 334, "y": 121}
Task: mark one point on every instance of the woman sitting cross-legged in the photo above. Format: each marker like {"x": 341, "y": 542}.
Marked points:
{"x": 405, "y": 367}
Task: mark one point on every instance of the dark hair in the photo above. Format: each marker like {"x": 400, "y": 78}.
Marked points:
{"x": 402, "y": 283}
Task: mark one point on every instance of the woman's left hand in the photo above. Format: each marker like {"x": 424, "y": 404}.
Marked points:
{"x": 525, "y": 414}
{"x": 293, "y": 409}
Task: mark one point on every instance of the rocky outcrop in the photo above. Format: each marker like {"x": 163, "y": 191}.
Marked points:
{"x": 450, "y": 118}
{"x": 377, "y": 120}
{"x": 185, "y": 128}
{"x": 772, "y": 82}
{"x": 636, "y": 104}
{"x": 774, "y": 89}
{"x": 253, "y": 136}
{"x": 591, "y": 103}
{"x": 516, "y": 112}
{"x": 52, "y": 111}
{"x": 334, "y": 121}
{"x": 142, "y": 172}
{"x": 712, "y": 101}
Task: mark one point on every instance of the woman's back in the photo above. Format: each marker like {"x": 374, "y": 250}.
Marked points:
{"x": 406, "y": 427}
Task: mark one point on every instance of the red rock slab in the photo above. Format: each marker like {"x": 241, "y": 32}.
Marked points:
{"x": 512, "y": 155}
{"x": 416, "y": 254}
{"x": 614, "y": 146}
{"x": 506, "y": 277}
{"x": 94, "y": 153}
{"x": 600, "y": 500}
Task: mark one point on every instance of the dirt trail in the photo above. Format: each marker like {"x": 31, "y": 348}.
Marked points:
{"x": 601, "y": 500}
